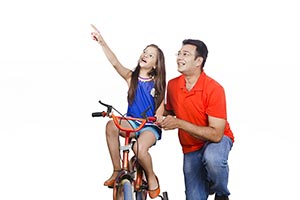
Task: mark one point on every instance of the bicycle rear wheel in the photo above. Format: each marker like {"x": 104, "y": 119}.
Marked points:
{"x": 124, "y": 191}
{"x": 141, "y": 195}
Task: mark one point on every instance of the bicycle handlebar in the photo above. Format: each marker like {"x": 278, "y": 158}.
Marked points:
{"x": 99, "y": 114}
{"x": 117, "y": 119}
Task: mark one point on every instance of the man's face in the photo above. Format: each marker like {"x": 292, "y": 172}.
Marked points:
{"x": 186, "y": 62}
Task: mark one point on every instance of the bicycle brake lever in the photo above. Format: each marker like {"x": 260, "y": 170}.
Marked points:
{"x": 104, "y": 104}
{"x": 109, "y": 107}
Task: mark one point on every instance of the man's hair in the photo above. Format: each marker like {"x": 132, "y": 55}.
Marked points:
{"x": 201, "y": 48}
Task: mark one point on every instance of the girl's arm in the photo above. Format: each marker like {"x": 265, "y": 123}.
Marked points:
{"x": 123, "y": 71}
{"x": 160, "y": 112}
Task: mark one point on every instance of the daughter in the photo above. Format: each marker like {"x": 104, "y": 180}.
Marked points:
{"x": 146, "y": 83}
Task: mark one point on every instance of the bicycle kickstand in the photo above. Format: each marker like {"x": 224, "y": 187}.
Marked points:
{"x": 165, "y": 196}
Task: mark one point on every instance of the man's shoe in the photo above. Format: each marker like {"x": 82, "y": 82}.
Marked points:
{"x": 210, "y": 185}
{"x": 221, "y": 197}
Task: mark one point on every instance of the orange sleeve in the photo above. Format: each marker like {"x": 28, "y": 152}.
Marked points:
{"x": 216, "y": 106}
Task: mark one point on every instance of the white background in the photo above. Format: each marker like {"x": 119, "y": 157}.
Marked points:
{"x": 52, "y": 75}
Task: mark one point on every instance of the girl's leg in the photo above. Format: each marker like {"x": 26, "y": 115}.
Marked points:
{"x": 113, "y": 144}
{"x": 145, "y": 140}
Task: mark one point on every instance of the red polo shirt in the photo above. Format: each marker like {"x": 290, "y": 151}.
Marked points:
{"x": 207, "y": 97}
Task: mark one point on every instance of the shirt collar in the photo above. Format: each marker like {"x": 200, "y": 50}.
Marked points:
{"x": 198, "y": 86}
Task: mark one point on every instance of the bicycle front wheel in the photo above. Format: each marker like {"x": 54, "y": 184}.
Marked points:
{"x": 127, "y": 190}
{"x": 124, "y": 191}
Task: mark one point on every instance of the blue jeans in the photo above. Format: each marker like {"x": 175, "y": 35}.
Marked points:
{"x": 206, "y": 170}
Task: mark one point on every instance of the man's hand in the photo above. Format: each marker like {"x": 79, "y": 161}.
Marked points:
{"x": 169, "y": 123}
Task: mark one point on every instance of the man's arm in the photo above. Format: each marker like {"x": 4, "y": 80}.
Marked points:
{"x": 213, "y": 132}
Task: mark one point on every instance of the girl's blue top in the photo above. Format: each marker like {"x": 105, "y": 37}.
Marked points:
{"x": 144, "y": 99}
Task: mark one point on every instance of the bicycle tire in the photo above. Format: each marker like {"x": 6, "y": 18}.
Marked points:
{"x": 124, "y": 191}
{"x": 127, "y": 188}
{"x": 141, "y": 195}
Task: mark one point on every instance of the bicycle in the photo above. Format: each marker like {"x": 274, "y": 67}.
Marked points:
{"x": 131, "y": 182}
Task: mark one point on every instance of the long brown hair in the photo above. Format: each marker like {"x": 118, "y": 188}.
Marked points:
{"x": 158, "y": 74}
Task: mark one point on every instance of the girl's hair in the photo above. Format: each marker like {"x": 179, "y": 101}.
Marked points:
{"x": 158, "y": 74}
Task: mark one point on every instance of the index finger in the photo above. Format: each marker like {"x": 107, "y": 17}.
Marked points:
{"x": 94, "y": 27}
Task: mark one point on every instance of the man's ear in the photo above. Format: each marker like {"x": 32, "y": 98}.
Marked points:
{"x": 199, "y": 61}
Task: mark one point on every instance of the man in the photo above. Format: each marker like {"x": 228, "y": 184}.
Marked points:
{"x": 196, "y": 105}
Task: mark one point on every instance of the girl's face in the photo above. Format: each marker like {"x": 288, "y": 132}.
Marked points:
{"x": 148, "y": 58}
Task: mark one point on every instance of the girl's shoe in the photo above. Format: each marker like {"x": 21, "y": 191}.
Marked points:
{"x": 110, "y": 183}
{"x": 154, "y": 193}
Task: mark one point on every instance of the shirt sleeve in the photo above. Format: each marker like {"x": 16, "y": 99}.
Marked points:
{"x": 216, "y": 105}
{"x": 169, "y": 106}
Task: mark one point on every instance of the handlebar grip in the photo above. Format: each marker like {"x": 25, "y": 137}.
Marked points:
{"x": 151, "y": 119}
{"x": 99, "y": 114}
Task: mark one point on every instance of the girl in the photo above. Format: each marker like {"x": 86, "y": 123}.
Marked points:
{"x": 147, "y": 83}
